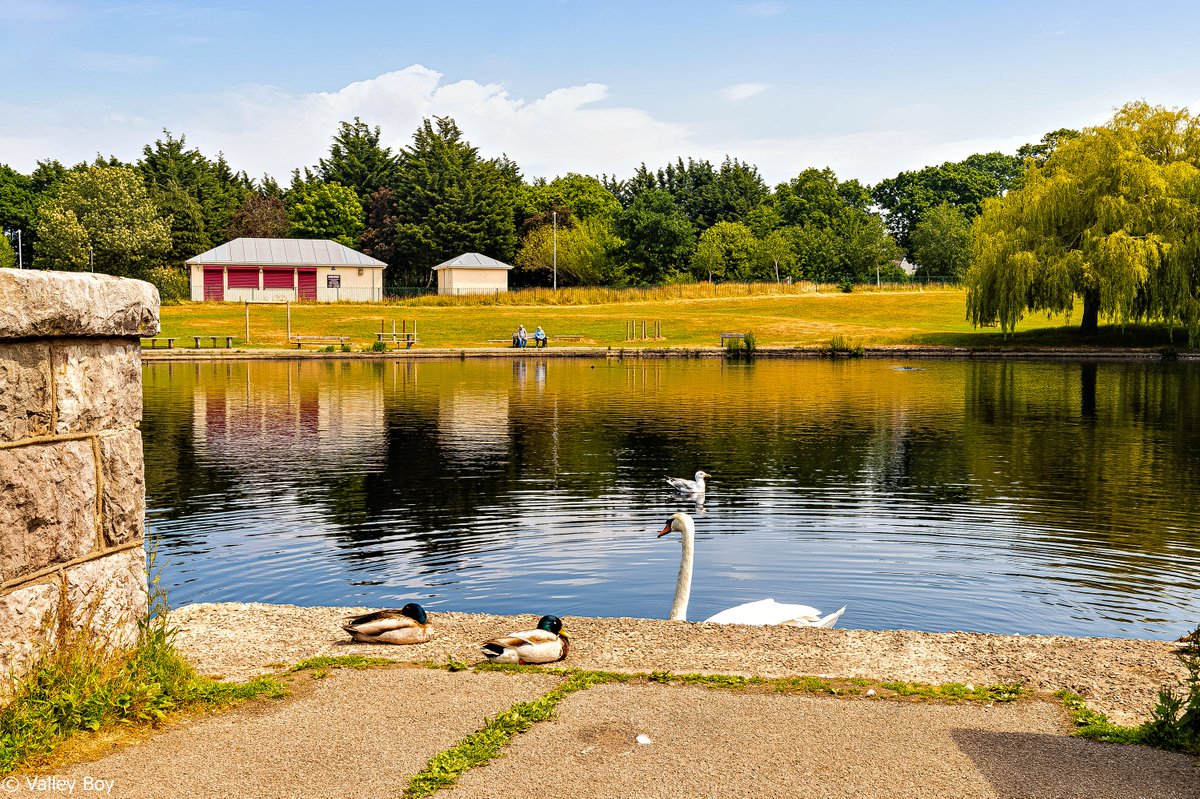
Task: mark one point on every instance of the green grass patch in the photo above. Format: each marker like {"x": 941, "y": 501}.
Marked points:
{"x": 444, "y": 769}
{"x": 82, "y": 682}
{"x": 1096, "y": 726}
{"x": 325, "y": 663}
{"x": 955, "y": 692}
{"x": 690, "y": 316}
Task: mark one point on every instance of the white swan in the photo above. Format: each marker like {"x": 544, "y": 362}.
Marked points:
{"x": 685, "y": 486}
{"x": 761, "y": 612}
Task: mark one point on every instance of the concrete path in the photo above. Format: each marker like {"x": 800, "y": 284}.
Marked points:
{"x": 365, "y": 733}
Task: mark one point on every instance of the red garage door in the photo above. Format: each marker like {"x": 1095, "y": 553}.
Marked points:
{"x": 242, "y": 278}
{"x": 278, "y": 279}
{"x": 214, "y": 284}
{"x": 308, "y": 284}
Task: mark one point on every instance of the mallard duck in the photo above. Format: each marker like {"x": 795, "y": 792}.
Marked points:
{"x": 760, "y": 612}
{"x": 685, "y": 486}
{"x": 408, "y": 625}
{"x": 546, "y": 644}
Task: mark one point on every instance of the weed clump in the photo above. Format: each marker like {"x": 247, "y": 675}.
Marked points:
{"x": 83, "y": 680}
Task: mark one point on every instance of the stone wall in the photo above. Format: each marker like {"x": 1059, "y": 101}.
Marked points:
{"x": 72, "y": 485}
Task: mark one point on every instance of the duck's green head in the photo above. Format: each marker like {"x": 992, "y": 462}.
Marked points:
{"x": 551, "y": 624}
{"x": 415, "y": 612}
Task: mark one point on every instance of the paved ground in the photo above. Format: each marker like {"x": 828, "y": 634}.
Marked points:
{"x": 365, "y": 733}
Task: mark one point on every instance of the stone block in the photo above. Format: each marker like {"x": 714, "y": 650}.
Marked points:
{"x": 25, "y": 396}
{"x": 47, "y": 505}
{"x": 24, "y": 617}
{"x": 123, "y": 492}
{"x": 39, "y": 304}
{"x": 110, "y": 591}
{"x": 97, "y": 385}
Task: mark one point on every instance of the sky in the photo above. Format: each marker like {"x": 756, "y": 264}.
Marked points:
{"x": 867, "y": 88}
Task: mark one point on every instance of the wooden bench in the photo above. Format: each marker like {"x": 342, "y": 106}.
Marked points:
{"x": 731, "y": 337}
{"x": 213, "y": 341}
{"x": 396, "y": 339}
{"x": 154, "y": 341}
{"x": 300, "y": 341}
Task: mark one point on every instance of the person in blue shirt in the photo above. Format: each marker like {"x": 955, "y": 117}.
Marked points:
{"x": 539, "y": 337}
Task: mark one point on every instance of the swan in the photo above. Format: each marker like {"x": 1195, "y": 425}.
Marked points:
{"x": 409, "y": 625}
{"x": 685, "y": 486}
{"x": 761, "y": 612}
{"x": 546, "y": 644}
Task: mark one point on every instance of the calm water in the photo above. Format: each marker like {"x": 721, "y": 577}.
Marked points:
{"x": 991, "y": 496}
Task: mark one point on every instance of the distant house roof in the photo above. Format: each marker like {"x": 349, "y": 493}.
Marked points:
{"x": 472, "y": 260}
{"x": 285, "y": 252}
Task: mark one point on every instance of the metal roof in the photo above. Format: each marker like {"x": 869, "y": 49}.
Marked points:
{"x": 285, "y": 252}
{"x": 473, "y": 260}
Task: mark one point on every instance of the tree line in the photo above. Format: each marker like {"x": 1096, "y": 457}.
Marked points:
{"x": 1107, "y": 215}
{"x": 438, "y": 197}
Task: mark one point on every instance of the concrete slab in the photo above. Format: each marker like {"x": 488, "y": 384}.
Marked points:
{"x": 707, "y": 743}
{"x": 357, "y": 734}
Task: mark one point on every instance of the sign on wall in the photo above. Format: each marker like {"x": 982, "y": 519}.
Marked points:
{"x": 333, "y": 281}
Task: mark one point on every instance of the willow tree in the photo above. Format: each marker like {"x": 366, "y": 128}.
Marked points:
{"x": 1109, "y": 218}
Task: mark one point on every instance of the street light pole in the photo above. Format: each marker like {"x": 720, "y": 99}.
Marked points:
{"x": 20, "y": 255}
{"x": 91, "y": 259}
{"x": 554, "y": 217}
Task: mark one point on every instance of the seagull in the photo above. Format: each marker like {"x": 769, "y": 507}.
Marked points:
{"x": 685, "y": 486}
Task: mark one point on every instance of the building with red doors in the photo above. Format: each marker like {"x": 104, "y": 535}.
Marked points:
{"x": 274, "y": 270}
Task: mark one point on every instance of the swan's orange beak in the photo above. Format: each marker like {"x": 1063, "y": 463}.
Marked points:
{"x": 664, "y": 531}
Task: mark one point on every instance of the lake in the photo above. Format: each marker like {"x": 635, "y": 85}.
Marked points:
{"x": 985, "y": 495}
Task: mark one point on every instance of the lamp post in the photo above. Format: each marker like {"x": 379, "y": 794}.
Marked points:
{"x": 554, "y": 219}
{"x": 91, "y": 259}
{"x": 20, "y": 255}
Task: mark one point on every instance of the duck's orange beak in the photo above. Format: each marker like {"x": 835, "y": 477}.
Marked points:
{"x": 664, "y": 531}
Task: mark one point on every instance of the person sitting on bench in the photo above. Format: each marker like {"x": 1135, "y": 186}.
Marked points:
{"x": 520, "y": 338}
{"x": 539, "y": 337}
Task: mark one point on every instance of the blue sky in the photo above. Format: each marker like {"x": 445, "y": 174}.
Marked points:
{"x": 868, "y": 88}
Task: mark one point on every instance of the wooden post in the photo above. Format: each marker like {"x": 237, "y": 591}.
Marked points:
{"x": 288, "y": 307}
{"x": 643, "y": 328}
{"x": 247, "y": 304}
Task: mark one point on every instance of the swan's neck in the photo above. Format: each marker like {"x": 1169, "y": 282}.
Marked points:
{"x": 683, "y": 584}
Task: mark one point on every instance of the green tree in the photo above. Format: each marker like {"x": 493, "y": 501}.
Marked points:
{"x": 8, "y": 256}
{"x": 817, "y": 197}
{"x": 108, "y": 210}
{"x": 1042, "y": 150}
{"x": 259, "y": 216}
{"x": 941, "y": 243}
{"x": 18, "y": 208}
{"x": 910, "y": 194}
{"x": 357, "y": 161}
{"x": 582, "y": 196}
{"x": 659, "y": 238}
{"x": 449, "y": 201}
{"x": 585, "y": 253}
{"x": 727, "y": 250}
{"x": 1110, "y": 217}
{"x": 198, "y": 193}
{"x": 325, "y": 211}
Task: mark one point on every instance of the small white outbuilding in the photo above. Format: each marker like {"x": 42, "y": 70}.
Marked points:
{"x": 266, "y": 270}
{"x": 472, "y": 273}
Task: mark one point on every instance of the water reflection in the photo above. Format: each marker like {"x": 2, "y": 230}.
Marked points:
{"x": 1000, "y": 496}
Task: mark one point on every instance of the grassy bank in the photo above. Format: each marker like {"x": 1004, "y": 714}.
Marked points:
{"x": 687, "y": 319}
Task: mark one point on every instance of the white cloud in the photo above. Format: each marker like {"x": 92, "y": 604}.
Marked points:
{"x": 264, "y": 129}
{"x": 122, "y": 63}
{"x": 743, "y": 91}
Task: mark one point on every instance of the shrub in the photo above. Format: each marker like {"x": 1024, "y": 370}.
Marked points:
{"x": 1175, "y": 720}
{"x": 345, "y": 348}
{"x": 840, "y": 345}
{"x": 379, "y": 346}
{"x": 172, "y": 284}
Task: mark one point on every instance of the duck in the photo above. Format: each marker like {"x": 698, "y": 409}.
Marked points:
{"x": 545, "y": 644}
{"x": 685, "y": 486}
{"x": 760, "y": 612}
{"x": 408, "y": 625}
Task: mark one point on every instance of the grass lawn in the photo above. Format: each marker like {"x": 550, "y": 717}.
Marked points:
{"x": 929, "y": 317}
